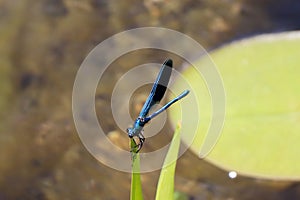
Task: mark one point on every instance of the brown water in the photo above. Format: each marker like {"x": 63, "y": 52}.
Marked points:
{"x": 42, "y": 44}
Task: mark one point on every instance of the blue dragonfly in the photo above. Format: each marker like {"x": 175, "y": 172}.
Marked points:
{"x": 157, "y": 92}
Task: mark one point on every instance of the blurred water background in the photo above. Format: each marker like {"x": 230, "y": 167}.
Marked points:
{"x": 43, "y": 43}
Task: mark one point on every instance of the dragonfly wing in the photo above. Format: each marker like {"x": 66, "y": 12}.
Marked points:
{"x": 159, "y": 87}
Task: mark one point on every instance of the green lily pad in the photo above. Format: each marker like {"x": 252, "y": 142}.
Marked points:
{"x": 261, "y": 133}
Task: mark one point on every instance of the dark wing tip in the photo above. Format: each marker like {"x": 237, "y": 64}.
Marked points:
{"x": 169, "y": 63}
{"x": 159, "y": 87}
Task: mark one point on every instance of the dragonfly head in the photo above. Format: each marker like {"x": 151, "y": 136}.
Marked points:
{"x": 130, "y": 132}
{"x": 137, "y": 128}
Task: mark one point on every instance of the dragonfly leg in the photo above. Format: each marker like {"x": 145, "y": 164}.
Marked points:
{"x": 139, "y": 145}
{"x": 142, "y": 140}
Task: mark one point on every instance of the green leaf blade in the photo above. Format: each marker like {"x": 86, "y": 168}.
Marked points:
{"x": 136, "y": 192}
{"x": 165, "y": 187}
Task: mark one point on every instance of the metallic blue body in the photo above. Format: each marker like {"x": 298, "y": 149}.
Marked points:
{"x": 157, "y": 92}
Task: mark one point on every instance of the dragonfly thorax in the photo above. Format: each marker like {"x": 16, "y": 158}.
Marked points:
{"x": 141, "y": 121}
